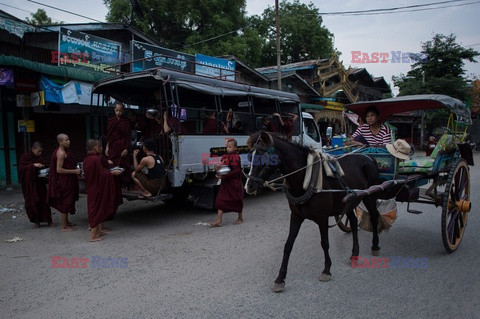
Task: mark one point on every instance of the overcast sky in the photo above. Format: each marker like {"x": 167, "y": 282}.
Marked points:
{"x": 366, "y": 33}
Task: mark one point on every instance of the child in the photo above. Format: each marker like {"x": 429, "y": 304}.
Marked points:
{"x": 230, "y": 194}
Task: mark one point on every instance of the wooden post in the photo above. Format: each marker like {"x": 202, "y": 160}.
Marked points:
{"x": 277, "y": 27}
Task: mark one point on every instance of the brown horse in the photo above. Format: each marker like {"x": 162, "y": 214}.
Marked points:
{"x": 360, "y": 171}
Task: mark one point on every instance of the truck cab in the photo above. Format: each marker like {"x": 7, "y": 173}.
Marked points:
{"x": 310, "y": 132}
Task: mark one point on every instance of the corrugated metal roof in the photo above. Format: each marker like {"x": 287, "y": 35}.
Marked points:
{"x": 71, "y": 73}
{"x": 303, "y": 65}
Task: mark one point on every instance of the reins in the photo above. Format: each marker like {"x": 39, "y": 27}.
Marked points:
{"x": 267, "y": 183}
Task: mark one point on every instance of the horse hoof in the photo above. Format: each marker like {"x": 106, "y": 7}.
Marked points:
{"x": 325, "y": 277}
{"x": 351, "y": 261}
{"x": 278, "y": 287}
{"x": 375, "y": 252}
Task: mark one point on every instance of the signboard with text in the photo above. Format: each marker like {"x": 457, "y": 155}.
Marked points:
{"x": 85, "y": 51}
{"x": 155, "y": 56}
{"x": 214, "y": 67}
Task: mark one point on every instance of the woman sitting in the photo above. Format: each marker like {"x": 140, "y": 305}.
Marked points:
{"x": 373, "y": 132}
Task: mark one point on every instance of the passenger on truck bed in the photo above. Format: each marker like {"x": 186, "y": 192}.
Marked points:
{"x": 210, "y": 126}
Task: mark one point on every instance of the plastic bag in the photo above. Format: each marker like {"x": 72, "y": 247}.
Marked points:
{"x": 388, "y": 213}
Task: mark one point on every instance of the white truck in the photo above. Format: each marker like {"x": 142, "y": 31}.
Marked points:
{"x": 191, "y": 156}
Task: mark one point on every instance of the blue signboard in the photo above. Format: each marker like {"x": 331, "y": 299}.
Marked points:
{"x": 86, "y": 51}
{"x": 214, "y": 67}
{"x": 154, "y": 56}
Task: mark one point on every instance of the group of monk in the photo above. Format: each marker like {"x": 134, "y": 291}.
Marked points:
{"x": 103, "y": 188}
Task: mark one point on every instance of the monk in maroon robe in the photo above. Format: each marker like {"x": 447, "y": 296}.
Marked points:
{"x": 269, "y": 125}
{"x": 230, "y": 193}
{"x": 101, "y": 190}
{"x": 210, "y": 126}
{"x": 118, "y": 141}
{"x": 108, "y": 164}
{"x": 286, "y": 124}
{"x": 172, "y": 124}
{"x": 63, "y": 181}
{"x": 34, "y": 188}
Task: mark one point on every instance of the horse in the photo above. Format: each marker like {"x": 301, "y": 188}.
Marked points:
{"x": 360, "y": 171}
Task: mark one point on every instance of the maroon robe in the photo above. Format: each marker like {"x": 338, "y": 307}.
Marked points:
{"x": 63, "y": 189}
{"x": 101, "y": 191}
{"x": 271, "y": 127}
{"x": 176, "y": 125}
{"x": 230, "y": 193}
{"x": 210, "y": 127}
{"x": 118, "y": 139}
{"x": 287, "y": 127}
{"x": 118, "y": 182}
{"x": 34, "y": 190}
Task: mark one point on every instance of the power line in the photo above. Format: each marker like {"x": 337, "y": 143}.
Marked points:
{"x": 359, "y": 12}
{"x": 37, "y": 26}
{"x": 385, "y": 9}
{"x": 414, "y": 10}
{"x": 66, "y": 11}
{"x": 7, "y": 5}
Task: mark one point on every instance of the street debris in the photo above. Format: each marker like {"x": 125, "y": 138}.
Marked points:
{"x": 202, "y": 224}
{"x": 14, "y": 239}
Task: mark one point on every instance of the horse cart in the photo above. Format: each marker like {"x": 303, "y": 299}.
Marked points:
{"x": 318, "y": 185}
{"x": 441, "y": 179}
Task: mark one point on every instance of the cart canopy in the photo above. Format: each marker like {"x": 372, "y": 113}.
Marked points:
{"x": 407, "y": 103}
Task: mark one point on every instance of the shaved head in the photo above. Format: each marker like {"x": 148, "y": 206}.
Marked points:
{"x": 61, "y": 137}
{"x": 91, "y": 144}
{"x": 37, "y": 145}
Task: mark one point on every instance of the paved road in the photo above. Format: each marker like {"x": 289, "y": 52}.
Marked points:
{"x": 177, "y": 269}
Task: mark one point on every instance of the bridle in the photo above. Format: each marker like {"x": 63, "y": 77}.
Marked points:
{"x": 259, "y": 145}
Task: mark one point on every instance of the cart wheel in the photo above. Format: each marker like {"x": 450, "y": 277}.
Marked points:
{"x": 456, "y": 205}
{"x": 344, "y": 223}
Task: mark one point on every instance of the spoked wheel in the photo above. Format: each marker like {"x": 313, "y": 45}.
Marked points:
{"x": 456, "y": 205}
{"x": 343, "y": 223}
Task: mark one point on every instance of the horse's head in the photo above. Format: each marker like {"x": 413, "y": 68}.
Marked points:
{"x": 263, "y": 160}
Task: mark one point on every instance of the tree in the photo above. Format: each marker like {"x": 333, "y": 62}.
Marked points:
{"x": 302, "y": 36}
{"x": 441, "y": 71}
{"x": 218, "y": 27}
{"x": 212, "y": 27}
{"x": 41, "y": 18}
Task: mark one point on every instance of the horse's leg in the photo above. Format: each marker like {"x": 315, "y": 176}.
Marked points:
{"x": 323, "y": 225}
{"x": 371, "y": 204}
{"x": 354, "y": 225}
{"x": 295, "y": 224}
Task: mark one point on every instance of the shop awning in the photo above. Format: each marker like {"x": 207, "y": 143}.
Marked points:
{"x": 327, "y": 115}
{"x": 63, "y": 71}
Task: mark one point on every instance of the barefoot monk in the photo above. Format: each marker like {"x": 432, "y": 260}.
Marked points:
{"x": 101, "y": 189}
{"x": 34, "y": 188}
{"x": 63, "y": 181}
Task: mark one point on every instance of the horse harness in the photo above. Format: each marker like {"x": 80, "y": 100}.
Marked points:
{"x": 315, "y": 184}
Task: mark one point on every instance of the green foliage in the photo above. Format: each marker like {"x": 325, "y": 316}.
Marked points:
{"x": 442, "y": 73}
{"x": 302, "y": 36}
{"x": 41, "y": 18}
{"x": 218, "y": 27}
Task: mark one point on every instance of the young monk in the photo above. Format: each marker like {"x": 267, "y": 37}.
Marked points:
{"x": 230, "y": 194}
{"x": 101, "y": 190}
{"x": 63, "y": 181}
{"x": 34, "y": 189}
{"x": 118, "y": 141}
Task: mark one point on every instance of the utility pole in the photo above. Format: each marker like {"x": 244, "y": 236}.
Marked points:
{"x": 277, "y": 27}
{"x": 422, "y": 117}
